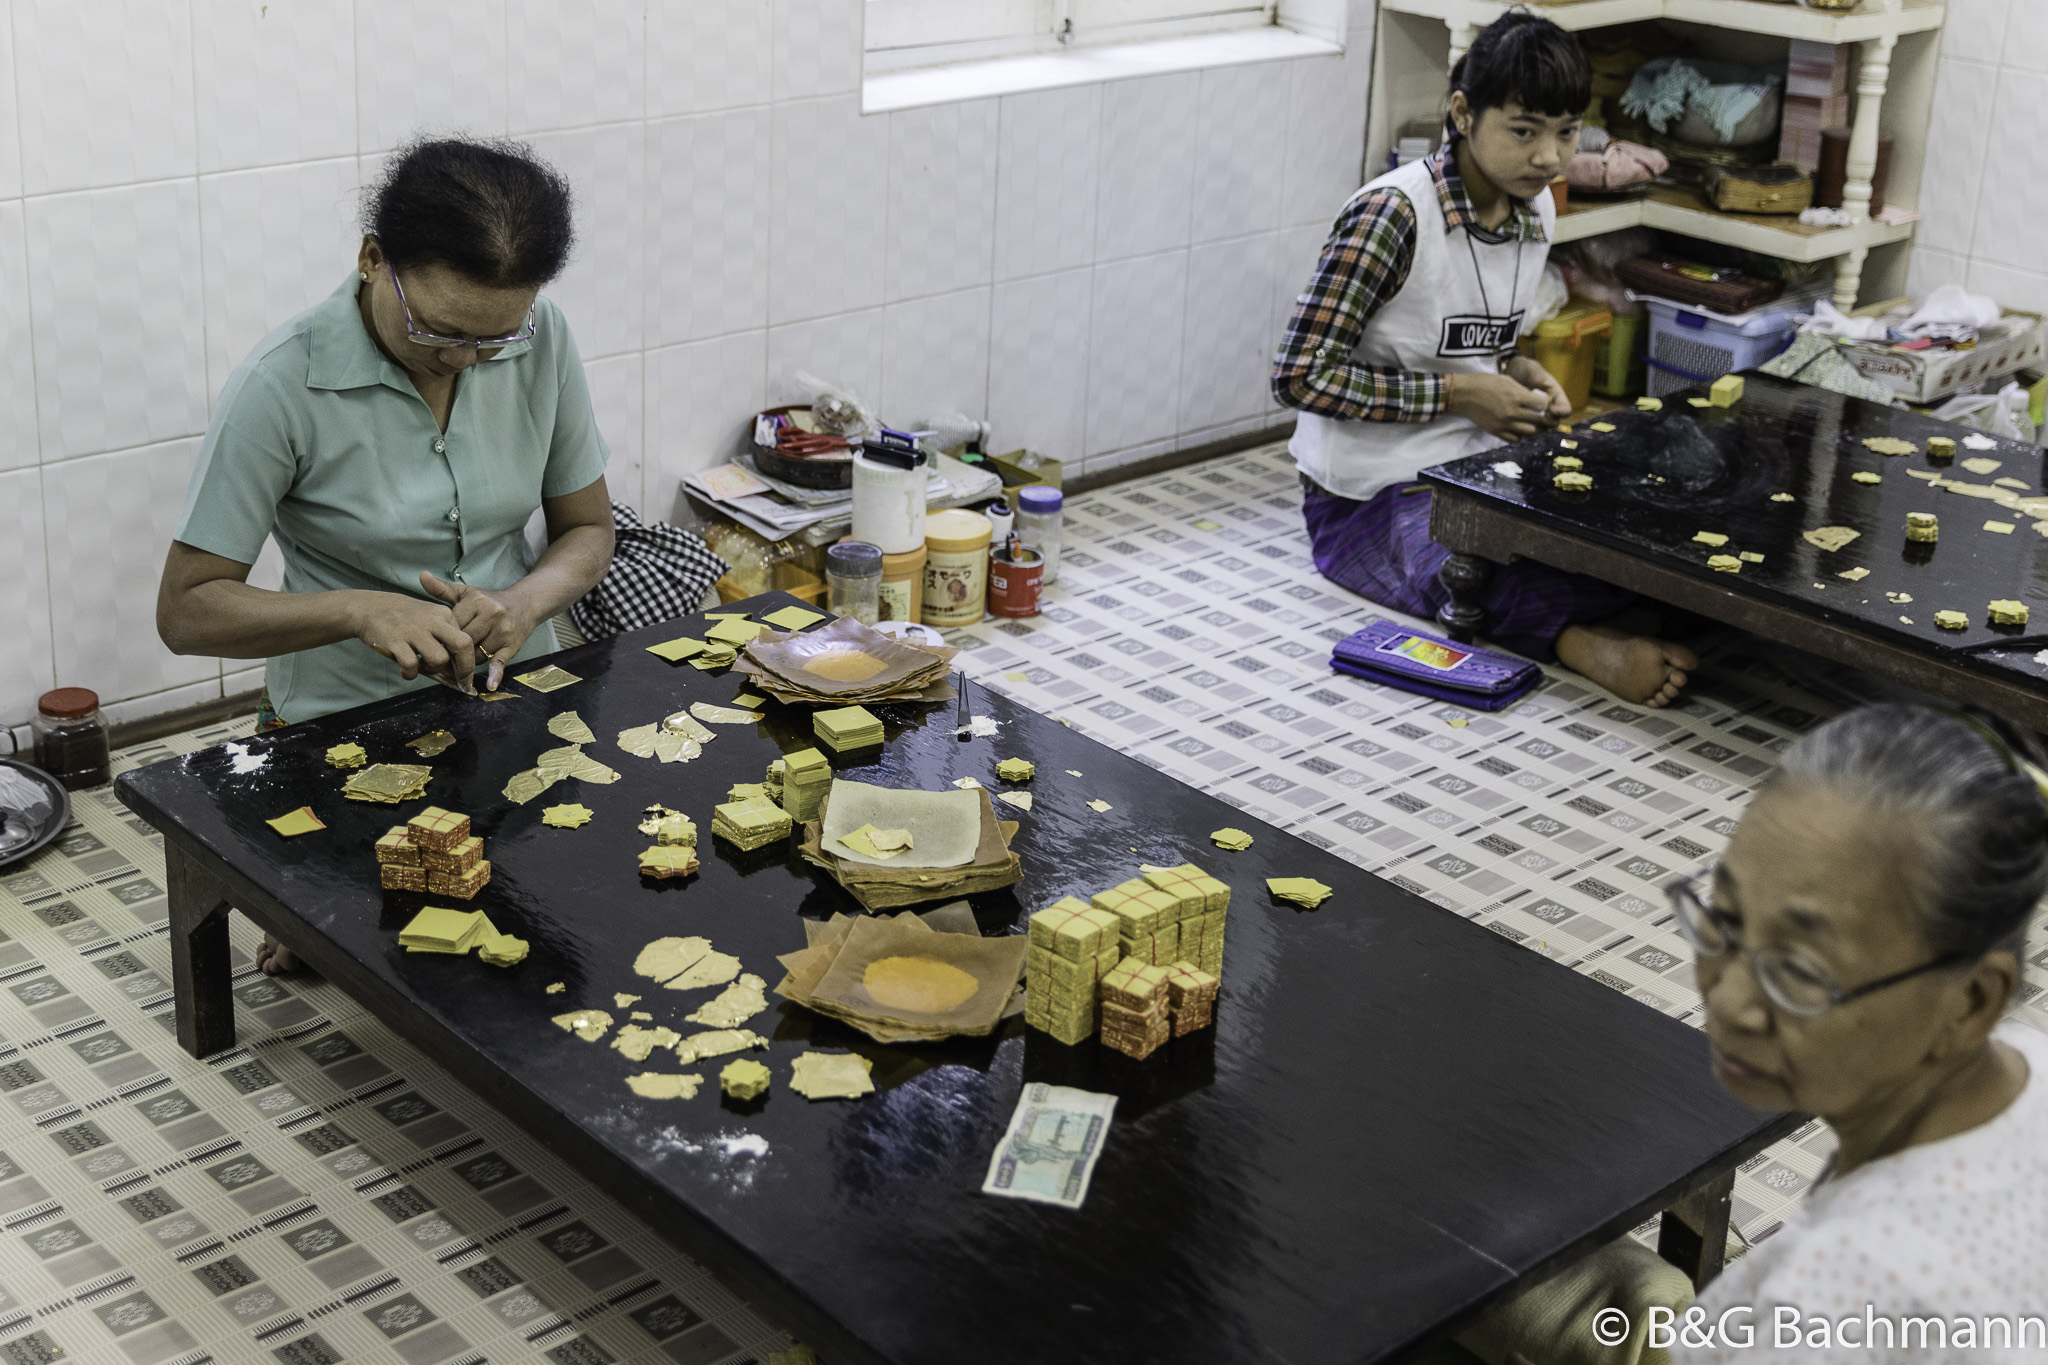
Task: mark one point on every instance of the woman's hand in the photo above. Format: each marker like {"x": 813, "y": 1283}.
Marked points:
{"x": 494, "y": 621}
{"x": 1525, "y": 369}
{"x": 420, "y": 637}
{"x": 1499, "y": 404}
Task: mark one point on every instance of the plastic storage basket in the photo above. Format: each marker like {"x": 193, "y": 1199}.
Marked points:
{"x": 1689, "y": 346}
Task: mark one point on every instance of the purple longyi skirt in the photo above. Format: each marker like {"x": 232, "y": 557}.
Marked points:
{"x": 1381, "y": 550}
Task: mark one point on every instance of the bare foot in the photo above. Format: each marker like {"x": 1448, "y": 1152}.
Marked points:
{"x": 1636, "y": 668}
{"x": 274, "y": 958}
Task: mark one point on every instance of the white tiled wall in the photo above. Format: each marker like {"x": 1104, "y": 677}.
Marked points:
{"x": 1101, "y": 271}
{"x": 1984, "y": 193}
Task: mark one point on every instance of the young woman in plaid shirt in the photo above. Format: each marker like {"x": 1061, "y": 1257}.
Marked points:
{"x": 1401, "y": 354}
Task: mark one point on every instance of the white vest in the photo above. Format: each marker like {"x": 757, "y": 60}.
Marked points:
{"x": 1446, "y": 319}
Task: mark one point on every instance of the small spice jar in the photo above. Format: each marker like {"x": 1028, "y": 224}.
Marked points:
{"x": 70, "y": 738}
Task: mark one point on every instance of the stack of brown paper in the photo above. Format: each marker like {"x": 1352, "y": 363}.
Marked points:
{"x": 900, "y": 980}
{"x": 958, "y": 847}
{"x": 845, "y": 664}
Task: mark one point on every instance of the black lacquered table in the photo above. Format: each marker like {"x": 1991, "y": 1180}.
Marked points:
{"x": 1397, "y": 1116}
{"x": 1661, "y": 477}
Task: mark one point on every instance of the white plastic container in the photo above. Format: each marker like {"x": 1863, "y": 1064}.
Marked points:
{"x": 1689, "y": 346}
{"x": 888, "y": 503}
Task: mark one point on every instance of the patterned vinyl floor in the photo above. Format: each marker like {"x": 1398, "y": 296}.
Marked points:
{"x": 325, "y": 1193}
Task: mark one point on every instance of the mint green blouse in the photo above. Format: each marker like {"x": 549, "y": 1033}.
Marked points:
{"x": 321, "y": 442}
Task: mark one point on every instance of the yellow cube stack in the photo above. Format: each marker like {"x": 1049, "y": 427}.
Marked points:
{"x": 1148, "y": 921}
{"x": 1072, "y": 946}
{"x": 1134, "y": 1008}
{"x": 1205, "y": 904}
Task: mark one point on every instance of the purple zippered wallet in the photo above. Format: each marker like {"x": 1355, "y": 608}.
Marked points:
{"x": 1396, "y": 656}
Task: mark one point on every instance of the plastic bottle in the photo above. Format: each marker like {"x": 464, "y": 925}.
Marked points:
{"x": 1038, "y": 524}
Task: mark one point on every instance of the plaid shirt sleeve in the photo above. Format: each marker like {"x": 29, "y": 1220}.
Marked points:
{"x": 1364, "y": 263}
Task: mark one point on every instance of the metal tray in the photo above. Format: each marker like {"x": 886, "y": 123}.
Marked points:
{"x": 50, "y": 827}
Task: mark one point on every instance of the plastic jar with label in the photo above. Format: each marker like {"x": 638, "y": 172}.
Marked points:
{"x": 70, "y": 738}
{"x": 955, "y": 568}
{"x": 902, "y": 590}
{"x": 1038, "y": 525}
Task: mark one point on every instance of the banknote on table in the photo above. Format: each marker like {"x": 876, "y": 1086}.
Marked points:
{"x": 1049, "y": 1151}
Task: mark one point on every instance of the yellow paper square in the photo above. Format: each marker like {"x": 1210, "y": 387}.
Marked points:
{"x": 678, "y": 649}
{"x": 2003, "y": 528}
{"x": 793, "y": 618}
{"x": 548, "y": 679}
{"x": 300, "y": 821}
{"x": 735, "y": 632}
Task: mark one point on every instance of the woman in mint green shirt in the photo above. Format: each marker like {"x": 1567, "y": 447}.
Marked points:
{"x": 395, "y": 439}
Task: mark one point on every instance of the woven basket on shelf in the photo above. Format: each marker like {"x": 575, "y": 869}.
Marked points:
{"x": 1781, "y": 188}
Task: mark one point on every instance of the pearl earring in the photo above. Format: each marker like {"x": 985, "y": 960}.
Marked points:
{"x": 364, "y": 275}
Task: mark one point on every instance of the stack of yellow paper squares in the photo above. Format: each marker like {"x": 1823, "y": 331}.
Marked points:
{"x": 847, "y": 727}
{"x": 752, "y": 823}
{"x": 438, "y": 930}
{"x": 1072, "y": 946}
{"x": 806, "y": 777}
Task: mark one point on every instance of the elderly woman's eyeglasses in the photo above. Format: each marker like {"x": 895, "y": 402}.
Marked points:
{"x": 436, "y": 339}
{"x": 1795, "y": 983}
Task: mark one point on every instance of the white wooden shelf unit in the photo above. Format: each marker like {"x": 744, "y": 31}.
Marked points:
{"x": 1416, "y": 41}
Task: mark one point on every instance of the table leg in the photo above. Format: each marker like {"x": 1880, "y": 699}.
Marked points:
{"x": 1466, "y": 576}
{"x": 1694, "y": 1234}
{"x": 201, "y": 968}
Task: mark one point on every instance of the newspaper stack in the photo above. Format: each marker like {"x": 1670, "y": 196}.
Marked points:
{"x": 1134, "y": 1008}
{"x": 1072, "y": 945}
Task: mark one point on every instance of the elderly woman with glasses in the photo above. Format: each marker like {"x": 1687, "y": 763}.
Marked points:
{"x": 1858, "y": 947}
{"x": 394, "y": 440}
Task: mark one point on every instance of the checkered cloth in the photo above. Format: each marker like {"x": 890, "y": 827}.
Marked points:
{"x": 658, "y": 572}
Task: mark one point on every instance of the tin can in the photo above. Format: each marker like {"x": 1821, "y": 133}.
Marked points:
{"x": 1013, "y": 583}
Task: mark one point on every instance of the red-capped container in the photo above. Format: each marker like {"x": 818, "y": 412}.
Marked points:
{"x": 1013, "y": 583}
{"x": 71, "y": 742}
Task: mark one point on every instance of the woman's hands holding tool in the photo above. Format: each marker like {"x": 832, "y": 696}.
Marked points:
{"x": 420, "y": 637}
{"x": 495, "y": 622}
{"x": 1497, "y": 404}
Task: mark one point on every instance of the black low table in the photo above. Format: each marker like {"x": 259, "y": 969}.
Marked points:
{"x": 1661, "y": 477}
{"x": 1397, "y": 1116}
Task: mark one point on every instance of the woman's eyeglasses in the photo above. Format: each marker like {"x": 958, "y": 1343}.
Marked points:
{"x": 436, "y": 339}
{"x": 1796, "y": 984}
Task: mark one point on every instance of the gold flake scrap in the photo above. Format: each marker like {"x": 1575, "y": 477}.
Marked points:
{"x": 589, "y": 1025}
